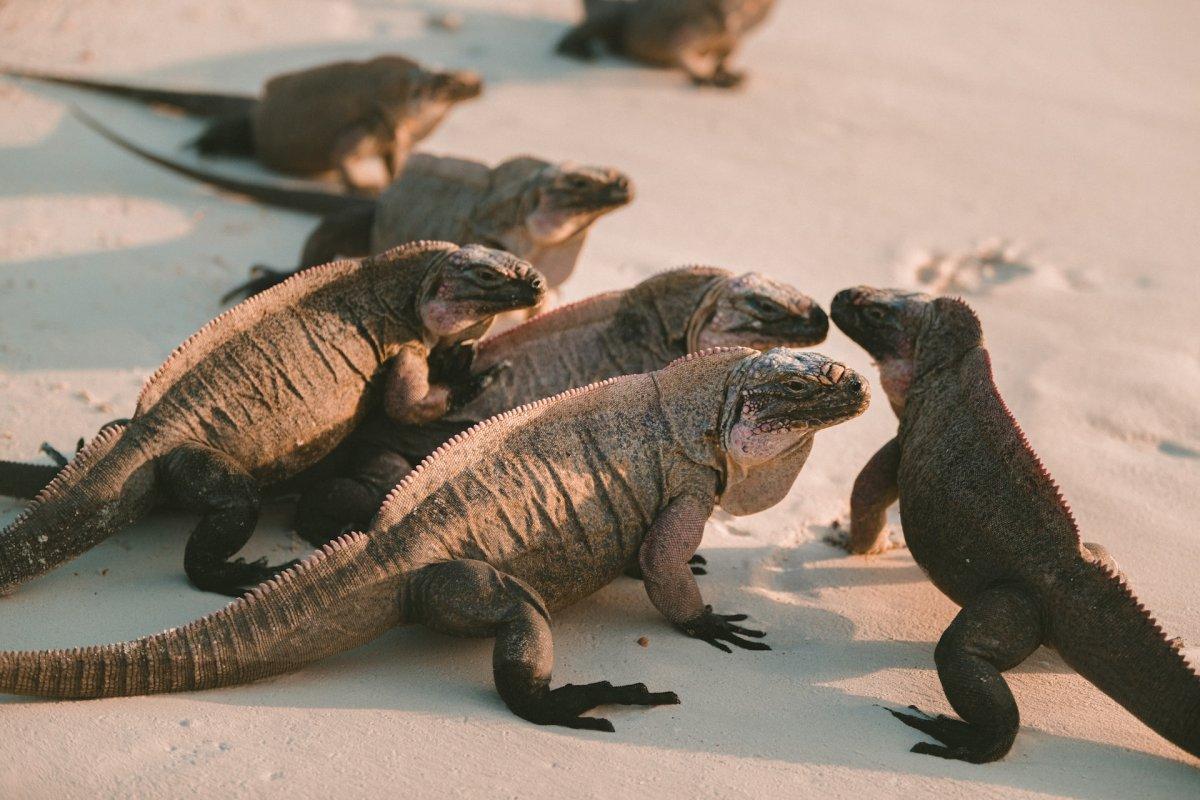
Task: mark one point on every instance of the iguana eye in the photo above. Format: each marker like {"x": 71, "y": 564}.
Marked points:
{"x": 875, "y": 314}
{"x": 763, "y": 308}
{"x": 485, "y": 276}
{"x": 578, "y": 182}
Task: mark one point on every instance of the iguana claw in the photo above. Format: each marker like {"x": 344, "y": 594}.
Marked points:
{"x": 564, "y": 705}
{"x": 958, "y": 740}
{"x": 716, "y": 629}
{"x": 451, "y": 367}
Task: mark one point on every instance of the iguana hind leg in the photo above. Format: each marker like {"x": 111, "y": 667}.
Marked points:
{"x": 472, "y": 598}
{"x": 995, "y": 632}
{"x": 348, "y": 502}
{"x": 206, "y": 480}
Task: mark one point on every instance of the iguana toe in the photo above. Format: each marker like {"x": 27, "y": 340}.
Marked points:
{"x": 716, "y": 629}
{"x": 564, "y": 705}
{"x": 958, "y": 740}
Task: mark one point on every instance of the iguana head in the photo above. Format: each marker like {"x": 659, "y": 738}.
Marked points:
{"x": 777, "y": 399}
{"x": 752, "y": 310}
{"x": 451, "y": 86}
{"x": 471, "y": 284}
{"x": 887, "y": 324}
{"x": 570, "y": 197}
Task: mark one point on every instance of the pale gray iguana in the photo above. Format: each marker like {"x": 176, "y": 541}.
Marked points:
{"x": 520, "y": 516}
{"x": 537, "y": 210}
{"x": 263, "y": 392}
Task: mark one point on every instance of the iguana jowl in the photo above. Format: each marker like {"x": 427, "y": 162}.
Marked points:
{"x": 697, "y": 36}
{"x": 537, "y": 210}
{"x": 524, "y": 514}
{"x": 624, "y": 332}
{"x": 261, "y": 393}
{"x": 359, "y": 117}
{"x": 987, "y": 523}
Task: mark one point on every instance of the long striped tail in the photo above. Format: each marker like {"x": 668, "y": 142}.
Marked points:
{"x": 107, "y": 486}
{"x": 199, "y": 104}
{"x": 334, "y": 600}
{"x": 1108, "y": 637}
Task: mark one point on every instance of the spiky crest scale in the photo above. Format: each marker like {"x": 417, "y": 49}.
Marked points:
{"x": 711, "y": 351}
{"x": 82, "y": 461}
{"x": 446, "y": 447}
{"x": 247, "y": 312}
{"x": 1043, "y": 474}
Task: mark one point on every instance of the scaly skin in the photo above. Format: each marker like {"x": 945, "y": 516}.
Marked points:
{"x": 361, "y": 118}
{"x": 987, "y": 523}
{"x": 697, "y": 36}
{"x": 627, "y": 468}
{"x": 618, "y": 333}
{"x": 263, "y": 392}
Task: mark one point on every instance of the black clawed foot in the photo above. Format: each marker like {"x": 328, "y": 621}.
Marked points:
{"x": 716, "y": 629}
{"x": 261, "y": 279}
{"x": 564, "y": 705}
{"x": 957, "y": 740}
{"x": 722, "y": 79}
{"x": 55, "y": 454}
{"x": 698, "y": 564}
{"x": 577, "y": 46}
{"x": 235, "y": 578}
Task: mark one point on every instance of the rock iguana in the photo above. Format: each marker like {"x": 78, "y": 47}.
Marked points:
{"x": 361, "y": 118}
{"x": 262, "y": 392}
{"x": 522, "y": 515}
{"x": 618, "y": 333}
{"x": 534, "y": 209}
{"x": 697, "y": 36}
{"x": 987, "y": 523}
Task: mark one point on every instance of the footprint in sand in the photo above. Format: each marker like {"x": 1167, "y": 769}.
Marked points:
{"x": 978, "y": 270}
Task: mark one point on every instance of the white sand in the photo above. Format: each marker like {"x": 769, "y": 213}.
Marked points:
{"x": 871, "y": 131}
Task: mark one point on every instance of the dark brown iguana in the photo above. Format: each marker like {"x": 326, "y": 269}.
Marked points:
{"x": 264, "y": 391}
{"x": 987, "y": 523}
{"x": 617, "y": 333}
{"x": 525, "y": 514}
{"x": 361, "y": 118}
{"x": 697, "y": 36}
{"x": 537, "y": 210}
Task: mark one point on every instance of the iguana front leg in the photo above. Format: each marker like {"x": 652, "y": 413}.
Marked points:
{"x": 357, "y": 155}
{"x": 409, "y": 397}
{"x": 995, "y": 632}
{"x": 875, "y": 489}
{"x": 472, "y": 598}
{"x": 664, "y": 558}
{"x": 206, "y": 480}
